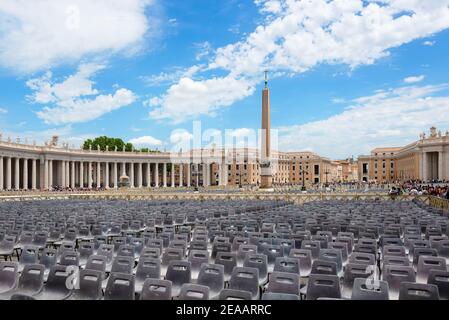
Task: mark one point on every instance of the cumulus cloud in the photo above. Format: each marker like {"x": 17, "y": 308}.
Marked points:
{"x": 298, "y": 35}
{"x": 146, "y": 141}
{"x": 387, "y": 118}
{"x": 75, "y": 99}
{"x": 414, "y": 79}
{"x": 39, "y": 34}
{"x": 428, "y": 43}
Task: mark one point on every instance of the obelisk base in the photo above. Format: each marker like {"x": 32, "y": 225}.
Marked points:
{"x": 266, "y": 182}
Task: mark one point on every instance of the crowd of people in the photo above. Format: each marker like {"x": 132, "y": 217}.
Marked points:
{"x": 417, "y": 187}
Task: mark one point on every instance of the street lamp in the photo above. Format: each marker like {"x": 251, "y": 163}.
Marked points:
{"x": 326, "y": 173}
{"x": 303, "y": 188}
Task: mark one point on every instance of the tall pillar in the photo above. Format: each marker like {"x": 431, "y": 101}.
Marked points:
{"x": 440, "y": 166}
{"x": 98, "y": 174}
{"x": 181, "y": 177}
{"x": 33, "y": 174}
{"x": 1, "y": 173}
{"x": 172, "y": 175}
{"x": 106, "y": 175}
{"x": 224, "y": 178}
{"x": 164, "y": 175}
{"x": 220, "y": 174}
{"x": 67, "y": 174}
{"x": 139, "y": 175}
{"x": 189, "y": 178}
{"x": 149, "y": 174}
{"x": 62, "y": 173}
{"x": 115, "y": 175}
{"x": 197, "y": 167}
{"x": 50, "y": 174}
{"x": 123, "y": 169}
{"x": 46, "y": 176}
{"x": 8, "y": 173}
{"x": 156, "y": 175}
{"x": 204, "y": 174}
{"x": 131, "y": 174}
{"x": 81, "y": 174}
{"x": 72, "y": 182}
{"x": 89, "y": 175}
{"x": 25, "y": 174}
{"x": 424, "y": 167}
{"x": 17, "y": 174}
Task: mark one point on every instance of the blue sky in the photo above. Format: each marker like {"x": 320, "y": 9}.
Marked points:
{"x": 345, "y": 76}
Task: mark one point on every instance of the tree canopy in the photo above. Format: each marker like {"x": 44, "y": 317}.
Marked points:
{"x": 104, "y": 141}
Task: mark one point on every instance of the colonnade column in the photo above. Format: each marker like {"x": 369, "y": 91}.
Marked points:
{"x": 81, "y": 175}
{"x": 63, "y": 182}
{"x": 33, "y": 174}
{"x": 440, "y": 166}
{"x": 164, "y": 175}
{"x": 188, "y": 175}
{"x": 106, "y": 175}
{"x": 139, "y": 175}
{"x": 46, "y": 177}
{"x": 172, "y": 175}
{"x": 72, "y": 183}
{"x": 25, "y": 174}
{"x": 156, "y": 174}
{"x": 181, "y": 178}
{"x": 8, "y": 173}
{"x": 98, "y": 174}
{"x": 67, "y": 174}
{"x": 149, "y": 174}
{"x": 1, "y": 173}
{"x": 224, "y": 178}
{"x": 115, "y": 175}
{"x": 131, "y": 175}
{"x": 89, "y": 175}
{"x": 50, "y": 174}
{"x": 17, "y": 174}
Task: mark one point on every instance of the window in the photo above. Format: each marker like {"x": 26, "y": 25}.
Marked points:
{"x": 391, "y": 165}
{"x": 317, "y": 169}
{"x": 383, "y": 165}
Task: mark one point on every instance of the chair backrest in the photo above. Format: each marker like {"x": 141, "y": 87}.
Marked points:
{"x": 233, "y": 294}
{"x": 212, "y": 275}
{"x": 369, "y": 290}
{"x": 156, "y": 289}
{"x": 90, "y": 284}
{"x": 418, "y": 291}
{"x": 120, "y": 286}
{"x": 324, "y": 267}
{"x": 32, "y": 278}
{"x": 191, "y": 291}
{"x": 150, "y": 253}
{"x": 123, "y": 265}
{"x": 258, "y": 261}
{"x": 86, "y": 249}
{"x": 246, "y": 279}
{"x": 178, "y": 272}
{"x": 48, "y": 257}
{"x": 8, "y": 275}
{"x": 69, "y": 258}
{"x": 148, "y": 268}
{"x": 171, "y": 254}
{"x": 313, "y": 246}
{"x": 197, "y": 258}
{"x": 283, "y": 282}
{"x": 362, "y": 258}
{"x": 96, "y": 262}
{"x": 427, "y": 263}
{"x": 106, "y": 250}
{"x": 393, "y": 250}
{"x": 396, "y": 260}
{"x": 125, "y": 250}
{"x": 284, "y": 264}
{"x": 323, "y": 286}
{"x": 305, "y": 260}
{"x": 440, "y": 278}
{"x": 394, "y": 275}
{"x": 57, "y": 279}
{"x": 279, "y": 296}
{"x": 228, "y": 260}
{"x": 99, "y": 240}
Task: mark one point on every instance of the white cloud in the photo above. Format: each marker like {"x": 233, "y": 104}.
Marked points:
{"x": 180, "y": 136}
{"x": 146, "y": 141}
{"x": 3, "y": 111}
{"x": 169, "y": 77}
{"x": 39, "y": 34}
{"x": 189, "y": 98}
{"x": 204, "y": 49}
{"x": 299, "y": 35}
{"x": 75, "y": 99}
{"x": 414, "y": 79}
{"x": 428, "y": 43}
{"x": 388, "y": 118}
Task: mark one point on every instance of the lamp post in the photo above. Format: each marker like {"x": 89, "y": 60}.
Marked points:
{"x": 303, "y": 188}
{"x": 326, "y": 173}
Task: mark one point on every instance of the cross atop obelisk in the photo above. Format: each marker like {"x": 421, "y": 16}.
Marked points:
{"x": 266, "y": 178}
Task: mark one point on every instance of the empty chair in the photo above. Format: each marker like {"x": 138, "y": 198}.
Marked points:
{"x": 220, "y": 247}
{"x": 440, "y": 278}
{"x": 279, "y": 296}
{"x": 56, "y": 285}
{"x": 191, "y": 291}
{"x": 283, "y": 282}
{"x": 272, "y": 252}
{"x": 289, "y": 265}
{"x": 443, "y": 250}
{"x": 40, "y": 240}
{"x": 29, "y": 255}
{"x": 89, "y": 286}
{"x": 96, "y": 262}
{"x": 313, "y": 246}
{"x": 324, "y": 267}
{"x": 333, "y": 255}
{"x": 229, "y": 261}
{"x": 418, "y": 252}
{"x": 233, "y": 294}
{"x": 69, "y": 258}
{"x": 323, "y": 286}
{"x": 393, "y": 250}
{"x": 150, "y": 253}
{"x": 107, "y": 250}
{"x": 170, "y": 254}
{"x": 353, "y": 271}
{"x": 86, "y": 249}
{"x": 246, "y": 279}
{"x": 396, "y": 261}
{"x": 212, "y": 276}
{"x": 362, "y": 258}
{"x": 197, "y": 258}
{"x": 156, "y": 289}
{"x": 258, "y": 261}
{"x": 305, "y": 260}
{"x": 7, "y": 246}
{"x": 418, "y": 291}
{"x": 369, "y": 290}
{"x": 243, "y": 250}
{"x": 395, "y": 275}
{"x": 123, "y": 265}
{"x": 425, "y": 264}
{"x": 125, "y": 250}
{"x": 147, "y": 268}
{"x": 48, "y": 259}
{"x": 8, "y": 276}
{"x": 178, "y": 272}
{"x": 343, "y": 247}
{"x": 31, "y": 281}
{"x": 120, "y": 287}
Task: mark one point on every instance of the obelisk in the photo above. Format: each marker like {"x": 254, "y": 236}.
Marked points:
{"x": 266, "y": 178}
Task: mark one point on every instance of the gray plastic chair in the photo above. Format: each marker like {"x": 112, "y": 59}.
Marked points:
{"x": 120, "y": 287}
{"x": 89, "y": 286}
{"x": 125, "y": 250}
{"x": 212, "y": 276}
{"x": 395, "y": 275}
{"x": 28, "y": 256}
{"x": 178, "y": 272}
{"x": 258, "y": 261}
{"x": 305, "y": 260}
{"x": 324, "y": 267}
{"x": 362, "y": 258}
{"x": 156, "y": 289}
{"x": 31, "y": 282}
{"x": 369, "y": 290}
{"x": 8, "y": 276}
{"x": 96, "y": 262}
{"x": 232, "y": 294}
{"x": 441, "y": 280}
{"x": 279, "y": 296}
{"x": 243, "y": 250}
{"x": 313, "y": 246}
{"x": 7, "y": 247}
{"x": 246, "y": 279}
{"x": 191, "y": 291}
{"x": 170, "y": 254}
{"x": 197, "y": 258}
{"x": 283, "y": 282}
{"x": 353, "y": 271}
{"x": 289, "y": 265}
{"x": 425, "y": 264}
{"x": 418, "y": 291}
{"x": 107, "y": 250}
{"x": 86, "y": 249}
{"x": 333, "y": 255}
{"x": 69, "y": 258}
{"x": 55, "y": 287}
{"x": 48, "y": 259}
{"x": 323, "y": 286}
{"x": 228, "y": 260}
{"x": 147, "y": 268}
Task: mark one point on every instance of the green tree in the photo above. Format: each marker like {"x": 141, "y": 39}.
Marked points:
{"x": 104, "y": 141}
